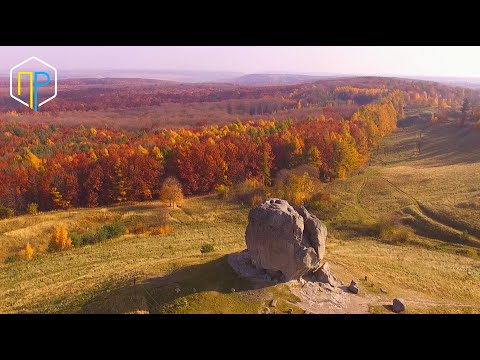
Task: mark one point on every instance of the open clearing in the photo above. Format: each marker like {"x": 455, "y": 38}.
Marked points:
{"x": 435, "y": 190}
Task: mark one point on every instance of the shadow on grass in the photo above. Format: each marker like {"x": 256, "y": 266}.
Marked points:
{"x": 160, "y": 294}
{"x": 388, "y": 308}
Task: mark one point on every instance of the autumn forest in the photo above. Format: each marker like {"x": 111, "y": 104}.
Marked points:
{"x": 329, "y": 125}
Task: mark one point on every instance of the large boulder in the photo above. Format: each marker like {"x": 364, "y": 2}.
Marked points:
{"x": 286, "y": 239}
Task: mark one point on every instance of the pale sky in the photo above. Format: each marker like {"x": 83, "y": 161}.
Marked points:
{"x": 458, "y": 61}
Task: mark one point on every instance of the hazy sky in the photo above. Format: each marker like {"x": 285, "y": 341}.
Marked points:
{"x": 426, "y": 61}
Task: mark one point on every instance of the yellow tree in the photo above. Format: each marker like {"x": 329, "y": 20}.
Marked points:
{"x": 60, "y": 239}
{"x": 28, "y": 251}
{"x": 171, "y": 191}
{"x": 313, "y": 156}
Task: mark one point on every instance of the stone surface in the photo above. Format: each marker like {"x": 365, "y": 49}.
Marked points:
{"x": 353, "y": 287}
{"x": 399, "y": 305}
{"x": 286, "y": 239}
{"x": 324, "y": 275}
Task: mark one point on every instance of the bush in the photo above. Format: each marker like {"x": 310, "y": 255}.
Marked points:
{"x": 25, "y": 254}
{"x": 32, "y": 209}
{"x": 11, "y": 259}
{"x": 139, "y": 229}
{"x": 116, "y": 229}
{"x": 77, "y": 240}
{"x": 401, "y": 235}
{"x": 206, "y": 248}
{"x": 465, "y": 236}
{"x": 161, "y": 230}
{"x": 389, "y": 229}
{"x": 385, "y": 225}
{"x": 6, "y": 213}
{"x": 60, "y": 239}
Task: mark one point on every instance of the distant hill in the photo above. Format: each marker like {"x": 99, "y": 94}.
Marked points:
{"x": 276, "y": 79}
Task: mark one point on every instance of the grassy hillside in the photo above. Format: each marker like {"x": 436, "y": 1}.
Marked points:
{"x": 435, "y": 191}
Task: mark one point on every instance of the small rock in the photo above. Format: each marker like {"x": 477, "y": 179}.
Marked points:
{"x": 399, "y": 305}
{"x": 366, "y": 278}
{"x": 353, "y": 287}
{"x": 177, "y": 290}
{"x": 290, "y": 311}
{"x": 383, "y": 290}
{"x": 266, "y": 310}
{"x": 273, "y": 303}
{"x": 185, "y": 302}
{"x": 232, "y": 290}
{"x": 194, "y": 290}
{"x": 324, "y": 275}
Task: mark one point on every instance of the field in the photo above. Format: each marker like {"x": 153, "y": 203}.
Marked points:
{"x": 433, "y": 187}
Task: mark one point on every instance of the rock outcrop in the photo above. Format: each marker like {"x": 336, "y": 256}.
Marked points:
{"x": 324, "y": 275}
{"x": 285, "y": 239}
{"x": 353, "y": 288}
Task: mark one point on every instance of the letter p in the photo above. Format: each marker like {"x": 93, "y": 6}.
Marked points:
{"x": 36, "y": 85}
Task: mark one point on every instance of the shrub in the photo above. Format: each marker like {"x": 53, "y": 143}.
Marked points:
{"x": 11, "y": 259}
{"x": 77, "y": 240}
{"x": 465, "y": 236}
{"x": 139, "y": 229}
{"x": 401, "y": 235}
{"x": 32, "y": 209}
{"x": 206, "y": 248}
{"x": 161, "y": 230}
{"x": 385, "y": 225}
{"x": 116, "y": 229}
{"x": 6, "y": 213}
{"x": 60, "y": 239}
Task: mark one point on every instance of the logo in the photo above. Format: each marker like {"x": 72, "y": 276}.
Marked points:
{"x": 33, "y": 85}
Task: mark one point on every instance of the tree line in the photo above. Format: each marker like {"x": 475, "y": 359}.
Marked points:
{"x": 60, "y": 168}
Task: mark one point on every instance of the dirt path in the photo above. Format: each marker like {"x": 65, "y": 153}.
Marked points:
{"x": 358, "y": 197}
{"x": 316, "y": 298}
